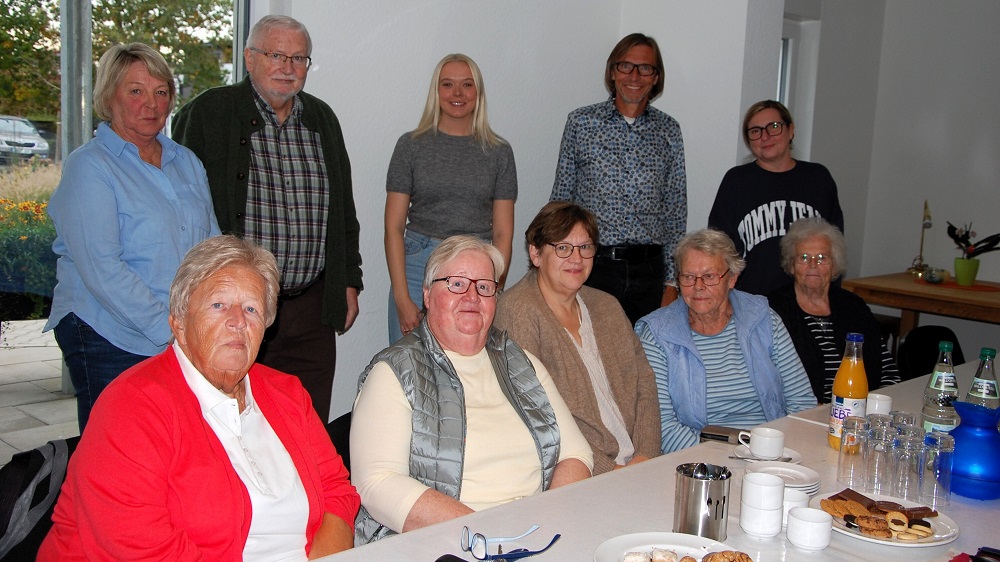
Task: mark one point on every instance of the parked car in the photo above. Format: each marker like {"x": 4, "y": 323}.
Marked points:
{"x": 19, "y": 139}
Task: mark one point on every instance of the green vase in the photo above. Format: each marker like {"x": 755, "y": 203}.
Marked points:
{"x": 965, "y": 271}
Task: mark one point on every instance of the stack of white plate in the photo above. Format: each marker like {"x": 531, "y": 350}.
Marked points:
{"x": 796, "y": 476}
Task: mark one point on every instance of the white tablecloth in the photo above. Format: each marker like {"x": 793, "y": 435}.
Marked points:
{"x": 641, "y": 499}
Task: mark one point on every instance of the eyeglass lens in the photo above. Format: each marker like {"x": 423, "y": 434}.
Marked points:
{"x": 773, "y": 128}
{"x": 626, "y": 67}
{"x": 565, "y": 250}
{"x": 279, "y": 58}
{"x": 818, "y": 259}
{"x": 460, "y": 285}
{"x": 709, "y": 279}
{"x": 478, "y": 544}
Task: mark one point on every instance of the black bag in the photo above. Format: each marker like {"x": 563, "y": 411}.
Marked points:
{"x": 29, "y": 487}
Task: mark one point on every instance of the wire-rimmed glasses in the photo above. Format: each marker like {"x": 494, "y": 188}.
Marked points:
{"x": 279, "y": 58}
{"x": 626, "y": 67}
{"x": 565, "y": 250}
{"x": 460, "y": 285}
{"x": 478, "y": 545}
{"x": 773, "y": 128}
{"x": 817, "y": 259}
{"x": 709, "y": 279}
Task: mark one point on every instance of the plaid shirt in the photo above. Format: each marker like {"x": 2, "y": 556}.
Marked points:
{"x": 288, "y": 195}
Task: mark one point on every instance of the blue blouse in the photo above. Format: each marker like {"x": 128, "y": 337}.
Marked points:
{"x": 122, "y": 229}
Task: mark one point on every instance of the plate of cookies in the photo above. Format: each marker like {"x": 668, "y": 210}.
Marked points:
{"x": 666, "y": 547}
{"x": 886, "y": 520}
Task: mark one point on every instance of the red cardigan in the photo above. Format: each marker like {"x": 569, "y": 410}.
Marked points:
{"x": 151, "y": 481}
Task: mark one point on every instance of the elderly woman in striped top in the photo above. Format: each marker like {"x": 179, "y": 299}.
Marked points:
{"x": 818, "y": 315}
{"x": 720, "y": 356}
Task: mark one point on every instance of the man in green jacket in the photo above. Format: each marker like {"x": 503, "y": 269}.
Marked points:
{"x": 280, "y": 176}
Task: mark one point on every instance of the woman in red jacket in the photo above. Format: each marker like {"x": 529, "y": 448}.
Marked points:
{"x": 199, "y": 453}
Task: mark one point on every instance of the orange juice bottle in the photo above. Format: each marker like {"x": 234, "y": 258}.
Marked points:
{"x": 850, "y": 389}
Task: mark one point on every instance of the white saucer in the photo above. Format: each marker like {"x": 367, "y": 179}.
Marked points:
{"x": 795, "y": 476}
{"x": 743, "y": 452}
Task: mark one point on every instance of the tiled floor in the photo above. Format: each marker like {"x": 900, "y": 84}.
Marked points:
{"x": 33, "y": 408}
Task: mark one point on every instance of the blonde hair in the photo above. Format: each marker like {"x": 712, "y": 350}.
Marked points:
{"x": 113, "y": 66}
{"x": 429, "y": 121}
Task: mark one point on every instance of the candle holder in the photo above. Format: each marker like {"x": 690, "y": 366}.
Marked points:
{"x": 918, "y": 268}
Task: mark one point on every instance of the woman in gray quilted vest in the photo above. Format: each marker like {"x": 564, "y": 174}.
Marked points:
{"x": 455, "y": 417}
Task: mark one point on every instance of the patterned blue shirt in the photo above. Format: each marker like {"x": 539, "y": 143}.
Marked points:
{"x": 631, "y": 176}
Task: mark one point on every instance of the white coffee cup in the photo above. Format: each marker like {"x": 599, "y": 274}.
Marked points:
{"x": 793, "y": 498}
{"x": 764, "y": 442}
{"x": 760, "y": 523}
{"x": 878, "y": 404}
{"x": 763, "y": 491}
{"x": 809, "y": 529}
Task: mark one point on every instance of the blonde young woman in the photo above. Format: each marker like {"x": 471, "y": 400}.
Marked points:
{"x": 451, "y": 175}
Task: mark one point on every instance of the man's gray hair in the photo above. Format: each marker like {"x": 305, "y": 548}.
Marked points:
{"x": 267, "y": 24}
{"x": 210, "y": 256}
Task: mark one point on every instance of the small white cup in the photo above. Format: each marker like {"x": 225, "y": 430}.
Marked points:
{"x": 793, "y": 498}
{"x": 879, "y": 404}
{"x": 809, "y": 529}
{"x": 760, "y": 523}
{"x": 763, "y": 491}
{"x": 764, "y": 442}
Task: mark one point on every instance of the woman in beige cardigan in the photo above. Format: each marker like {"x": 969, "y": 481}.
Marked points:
{"x": 584, "y": 339}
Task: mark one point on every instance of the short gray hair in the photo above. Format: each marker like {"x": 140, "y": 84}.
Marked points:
{"x": 210, "y": 256}
{"x": 713, "y": 243}
{"x": 267, "y": 24}
{"x": 113, "y": 66}
{"x": 813, "y": 227}
{"x": 451, "y": 247}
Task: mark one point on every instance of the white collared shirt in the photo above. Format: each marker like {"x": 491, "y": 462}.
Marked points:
{"x": 280, "y": 508}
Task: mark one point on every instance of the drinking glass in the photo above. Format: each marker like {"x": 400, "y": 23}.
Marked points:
{"x": 907, "y": 467}
{"x": 851, "y": 459}
{"x": 878, "y": 459}
{"x": 935, "y": 482}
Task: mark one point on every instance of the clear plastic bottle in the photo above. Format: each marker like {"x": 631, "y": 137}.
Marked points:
{"x": 850, "y": 389}
{"x": 938, "y": 414}
{"x": 984, "y": 386}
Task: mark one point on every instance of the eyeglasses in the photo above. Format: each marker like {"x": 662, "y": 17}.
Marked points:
{"x": 278, "y": 58}
{"x": 626, "y": 67}
{"x": 478, "y": 545}
{"x": 565, "y": 250}
{"x": 709, "y": 279}
{"x": 460, "y": 285}
{"x": 773, "y": 128}
{"x": 818, "y": 259}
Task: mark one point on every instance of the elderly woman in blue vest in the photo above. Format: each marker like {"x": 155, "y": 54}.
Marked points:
{"x": 455, "y": 417}
{"x": 720, "y": 356}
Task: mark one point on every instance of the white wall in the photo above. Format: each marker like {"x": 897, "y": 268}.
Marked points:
{"x": 540, "y": 61}
{"x": 906, "y": 111}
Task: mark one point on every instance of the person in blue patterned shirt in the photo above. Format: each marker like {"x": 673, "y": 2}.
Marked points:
{"x": 624, "y": 161}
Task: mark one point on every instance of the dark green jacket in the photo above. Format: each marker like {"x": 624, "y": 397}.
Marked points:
{"x": 217, "y": 126}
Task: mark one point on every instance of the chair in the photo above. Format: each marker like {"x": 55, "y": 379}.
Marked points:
{"x": 918, "y": 350}
{"x": 340, "y": 433}
{"x": 29, "y": 487}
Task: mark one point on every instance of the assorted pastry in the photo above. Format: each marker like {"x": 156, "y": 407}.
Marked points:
{"x": 665, "y": 555}
{"x": 879, "y": 519}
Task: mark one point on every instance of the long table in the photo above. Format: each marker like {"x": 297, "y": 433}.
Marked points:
{"x": 903, "y": 291}
{"x": 641, "y": 499}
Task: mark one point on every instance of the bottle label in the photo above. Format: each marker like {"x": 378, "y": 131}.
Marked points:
{"x": 930, "y": 426}
{"x": 943, "y": 380}
{"x": 841, "y": 408}
{"x": 984, "y": 389}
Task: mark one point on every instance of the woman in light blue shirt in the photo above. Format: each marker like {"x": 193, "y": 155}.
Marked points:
{"x": 130, "y": 204}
